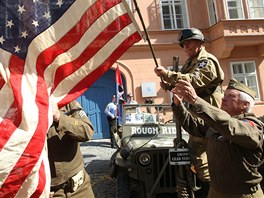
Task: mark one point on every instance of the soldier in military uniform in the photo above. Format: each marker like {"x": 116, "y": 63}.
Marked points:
{"x": 203, "y": 71}
{"x": 68, "y": 176}
{"x": 235, "y": 138}
{"x": 261, "y": 168}
{"x": 262, "y": 118}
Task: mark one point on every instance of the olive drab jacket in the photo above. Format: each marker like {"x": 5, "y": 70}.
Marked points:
{"x": 64, "y": 153}
{"x": 234, "y": 146}
{"x": 206, "y": 76}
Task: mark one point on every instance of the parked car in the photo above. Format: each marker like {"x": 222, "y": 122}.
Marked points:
{"x": 145, "y": 163}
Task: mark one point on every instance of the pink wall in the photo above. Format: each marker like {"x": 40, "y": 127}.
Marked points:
{"x": 233, "y": 40}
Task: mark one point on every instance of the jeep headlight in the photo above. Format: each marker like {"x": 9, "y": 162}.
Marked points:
{"x": 144, "y": 159}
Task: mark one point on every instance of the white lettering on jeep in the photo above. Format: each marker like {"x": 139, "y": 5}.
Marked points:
{"x": 152, "y": 130}
{"x": 145, "y": 130}
{"x": 169, "y": 130}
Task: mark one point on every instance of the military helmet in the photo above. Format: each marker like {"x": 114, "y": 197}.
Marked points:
{"x": 189, "y": 34}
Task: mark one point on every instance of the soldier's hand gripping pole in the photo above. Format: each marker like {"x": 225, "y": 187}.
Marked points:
{"x": 175, "y": 64}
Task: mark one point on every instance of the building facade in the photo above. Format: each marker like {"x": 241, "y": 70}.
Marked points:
{"x": 234, "y": 30}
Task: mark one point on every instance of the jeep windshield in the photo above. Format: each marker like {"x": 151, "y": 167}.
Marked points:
{"x": 148, "y": 125}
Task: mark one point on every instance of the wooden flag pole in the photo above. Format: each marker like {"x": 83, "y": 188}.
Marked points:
{"x": 145, "y": 30}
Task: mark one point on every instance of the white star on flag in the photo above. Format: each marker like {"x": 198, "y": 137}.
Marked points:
{"x": 57, "y": 58}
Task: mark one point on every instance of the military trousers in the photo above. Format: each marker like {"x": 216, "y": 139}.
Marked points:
{"x": 112, "y": 123}
{"x": 84, "y": 190}
{"x": 214, "y": 194}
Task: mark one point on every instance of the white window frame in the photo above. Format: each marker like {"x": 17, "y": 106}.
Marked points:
{"x": 253, "y": 8}
{"x": 212, "y": 11}
{"x": 243, "y": 76}
{"x": 173, "y": 14}
{"x": 241, "y": 9}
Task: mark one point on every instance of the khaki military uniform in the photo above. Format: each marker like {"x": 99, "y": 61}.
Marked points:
{"x": 234, "y": 148}
{"x": 68, "y": 175}
{"x": 206, "y": 76}
{"x": 261, "y": 168}
{"x": 261, "y": 118}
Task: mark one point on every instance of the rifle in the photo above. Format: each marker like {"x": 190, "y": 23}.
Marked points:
{"x": 183, "y": 174}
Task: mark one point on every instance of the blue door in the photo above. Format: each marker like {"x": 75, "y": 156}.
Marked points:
{"x": 95, "y": 99}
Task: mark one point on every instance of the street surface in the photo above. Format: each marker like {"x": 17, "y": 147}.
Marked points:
{"x": 97, "y": 154}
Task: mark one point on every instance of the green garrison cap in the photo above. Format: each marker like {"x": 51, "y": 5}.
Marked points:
{"x": 234, "y": 84}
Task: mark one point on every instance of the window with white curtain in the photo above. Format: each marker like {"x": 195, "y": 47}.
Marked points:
{"x": 245, "y": 72}
{"x": 212, "y": 11}
{"x": 256, "y": 9}
{"x": 234, "y": 9}
{"x": 174, "y": 14}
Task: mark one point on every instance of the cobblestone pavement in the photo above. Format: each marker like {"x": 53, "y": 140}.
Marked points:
{"x": 97, "y": 154}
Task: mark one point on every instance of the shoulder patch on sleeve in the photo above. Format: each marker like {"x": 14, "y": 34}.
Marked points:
{"x": 202, "y": 63}
{"x": 250, "y": 122}
{"x": 82, "y": 113}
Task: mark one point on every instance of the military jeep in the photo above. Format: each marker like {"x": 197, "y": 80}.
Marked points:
{"x": 141, "y": 164}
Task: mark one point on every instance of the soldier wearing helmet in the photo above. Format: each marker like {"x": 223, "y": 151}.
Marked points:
{"x": 190, "y": 34}
{"x": 203, "y": 71}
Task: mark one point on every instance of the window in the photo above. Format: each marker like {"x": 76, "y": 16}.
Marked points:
{"x": 245, "y": 72}
{"x": 174, "y": 14}
{"x": 256, "y": 8}
{"x": 212, "y": 11}
{"x": 235, "y": 10}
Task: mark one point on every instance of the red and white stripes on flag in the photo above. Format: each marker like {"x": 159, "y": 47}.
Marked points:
{"x": 120, "y": 99}
{"x": 60, "y": 64}
{"x": 119, "y": 86}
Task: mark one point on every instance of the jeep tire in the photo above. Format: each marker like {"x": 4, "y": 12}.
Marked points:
{"x": 122, "y": 185}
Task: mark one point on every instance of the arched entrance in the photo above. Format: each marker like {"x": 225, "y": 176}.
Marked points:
{"x": 95, "y": 99}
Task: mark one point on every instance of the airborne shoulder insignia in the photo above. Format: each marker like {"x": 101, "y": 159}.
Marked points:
{"x": 202, "y": 63}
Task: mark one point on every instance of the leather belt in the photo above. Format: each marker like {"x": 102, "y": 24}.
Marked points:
{"x": 58, "y": 187}
{"x": 72, "y": 184}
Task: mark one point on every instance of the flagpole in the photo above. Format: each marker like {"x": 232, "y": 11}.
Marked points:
{"x": 145, "y": 30}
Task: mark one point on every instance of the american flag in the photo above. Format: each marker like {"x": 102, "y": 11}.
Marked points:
{"x": 50, "y": 50}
